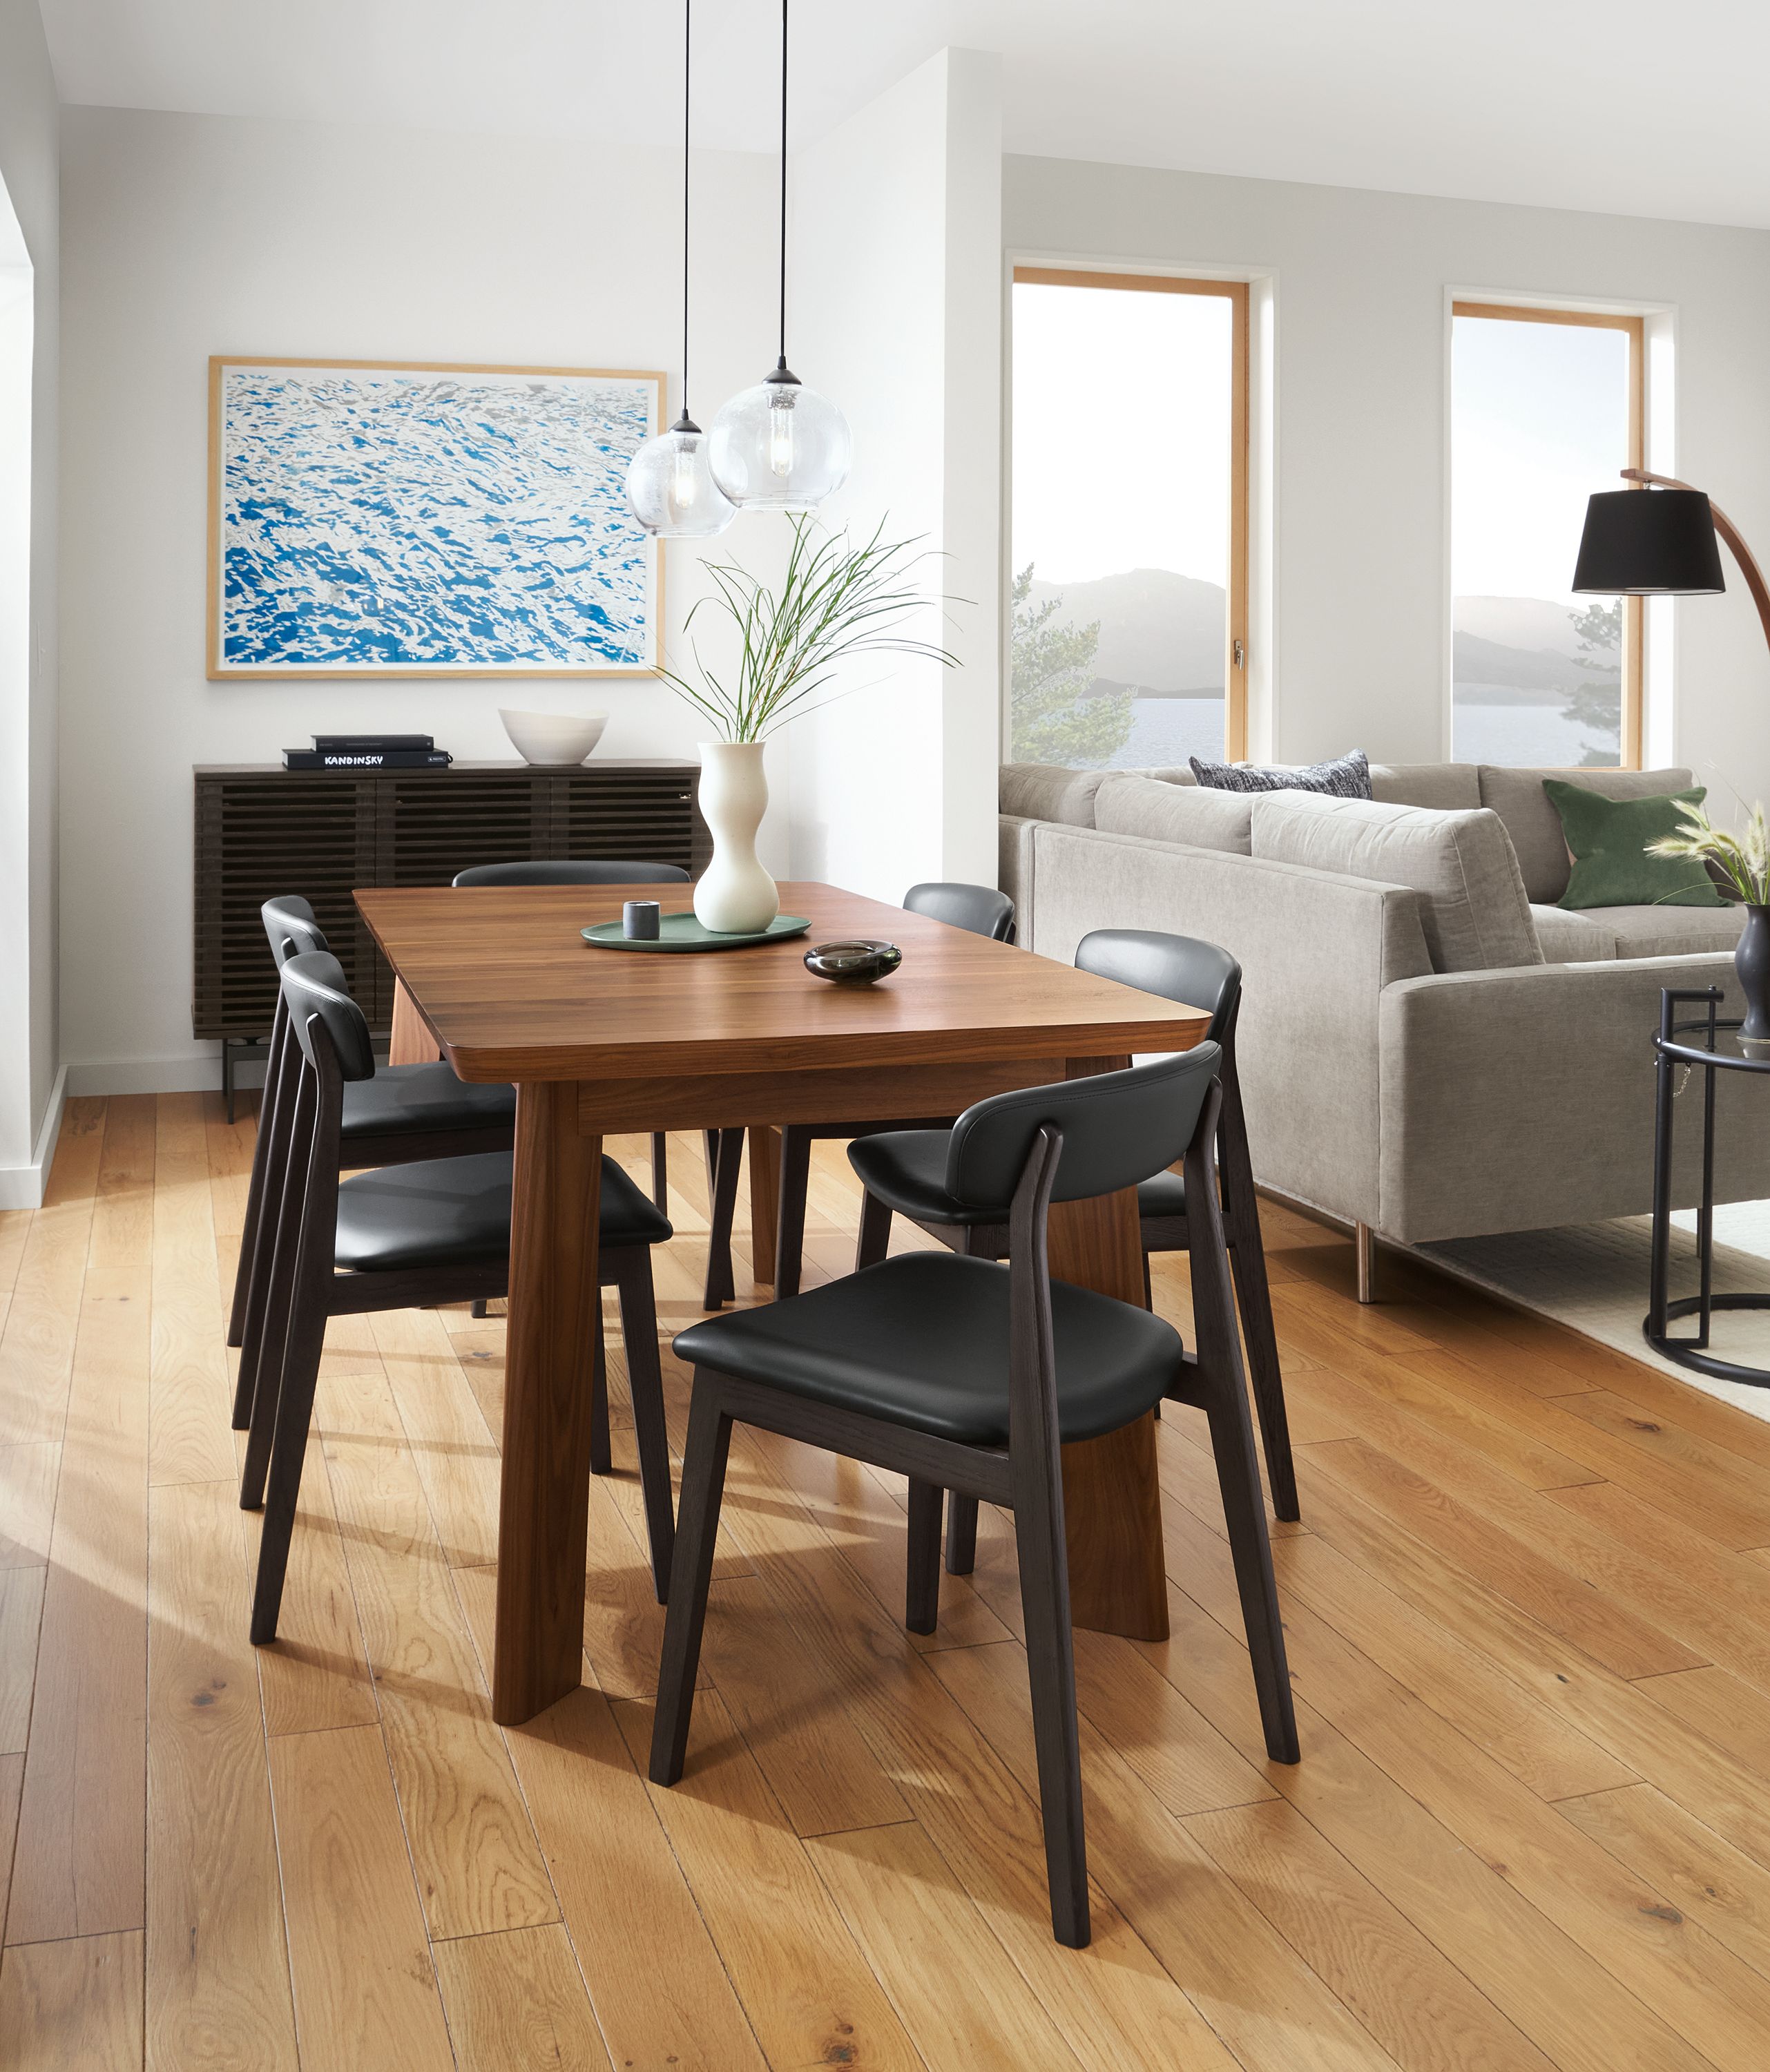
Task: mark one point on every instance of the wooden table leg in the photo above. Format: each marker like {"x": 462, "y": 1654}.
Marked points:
{"x": 538, "y": 1654}
{"x": 1111, "y": 1497}
{"x": 765, "y": 1190}
{"x": 410, "y": 1042}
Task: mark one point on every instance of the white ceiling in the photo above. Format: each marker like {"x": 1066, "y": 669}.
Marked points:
{"x": 1634, "y": 106}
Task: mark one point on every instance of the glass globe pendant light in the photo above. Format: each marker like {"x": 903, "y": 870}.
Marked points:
{"x": 670, "y": 486}
{"x": 780, "y": 445}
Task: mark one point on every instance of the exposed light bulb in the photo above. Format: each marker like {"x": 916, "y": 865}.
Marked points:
{"x": 780, "y": 432}
{"x": 683, "y": 484}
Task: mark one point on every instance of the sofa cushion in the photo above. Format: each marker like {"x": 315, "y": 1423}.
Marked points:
{"x": 1672, "y": 931}
{"x": 1475, "y": 913}
{"x": 1445, "y": 787}
{"x": 1346, "y": 777}
{"x": 1518, "y": 798}
{"x": 1050, "y": 792}
{"x": 1188, "y": 813}
{"x": 1613, "y": 843}
{"x": 1565, "y": 938}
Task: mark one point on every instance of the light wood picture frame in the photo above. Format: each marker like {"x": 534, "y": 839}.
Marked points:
{"x": 423, "y": 519}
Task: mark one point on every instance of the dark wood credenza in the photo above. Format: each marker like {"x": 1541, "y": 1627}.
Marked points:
{"x": 262, "y": 830}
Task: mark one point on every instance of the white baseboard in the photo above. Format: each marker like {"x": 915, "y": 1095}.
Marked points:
{"x": 21, "y": 1187}
{"x": 181, "y": 1075}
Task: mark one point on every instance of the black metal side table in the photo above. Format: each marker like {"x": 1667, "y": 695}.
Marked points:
{"x": 1718, "y": 1050}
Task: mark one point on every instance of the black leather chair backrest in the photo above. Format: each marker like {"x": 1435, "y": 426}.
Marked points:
{"x": 572, "y": 874}
{"x": 314, "y": 988}
{"x": 289, "y": 923}
{"x": 979, "y": 909}
{"x": 1176, "y": 967}
{"x": 1119, "y": 1127}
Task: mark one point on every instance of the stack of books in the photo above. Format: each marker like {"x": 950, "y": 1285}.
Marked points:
{"x": 368, "y": 751}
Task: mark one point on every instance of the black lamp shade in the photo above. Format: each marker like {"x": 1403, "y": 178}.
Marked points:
{"x": 1649, "y": 543}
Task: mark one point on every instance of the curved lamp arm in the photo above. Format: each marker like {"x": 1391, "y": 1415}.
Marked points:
{"x": 1729, "y": 532}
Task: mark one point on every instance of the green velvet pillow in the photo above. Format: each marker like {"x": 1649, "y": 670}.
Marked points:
{"x": 1608, "y": 840}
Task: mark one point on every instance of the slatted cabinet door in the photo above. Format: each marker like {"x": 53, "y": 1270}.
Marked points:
{"x": 259, "y": 834}
{"x": 324, "y": 834}
{"x": 428, "y": 829}
{"x": 650, "y": 815}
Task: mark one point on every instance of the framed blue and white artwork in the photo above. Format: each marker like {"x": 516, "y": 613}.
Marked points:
{"x": 373, "y": 518}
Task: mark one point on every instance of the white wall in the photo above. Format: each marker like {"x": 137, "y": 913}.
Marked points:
{"x": 897, "y": 315}
{"x": 30, "y": 1091}
{"x": 1361, "y": 641}
{"x": 186, "y": 236}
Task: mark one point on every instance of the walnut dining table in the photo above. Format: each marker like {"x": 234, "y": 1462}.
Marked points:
{"x": 498, "y": 981}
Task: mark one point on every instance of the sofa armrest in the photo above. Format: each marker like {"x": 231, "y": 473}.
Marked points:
{"x": 1522, "y": 1100}
{"x": 1014, "y": 871}
{"x": 1316, "y": 950}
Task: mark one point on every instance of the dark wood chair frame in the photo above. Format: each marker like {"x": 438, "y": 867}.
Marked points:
{"x": 793, "y": 1186}
{"x": 724, "y": 1167}
{"x": 270, "y": 1153}
{"x": 304, "y": 1289}
{"x": 1238, "y": 1216}
{"x": 1239, "y": 1211}
{"x": 1026, "y": 1476}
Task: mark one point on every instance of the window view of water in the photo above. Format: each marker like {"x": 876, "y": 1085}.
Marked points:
{"x": 1119, "y": 607}
{"x": 1528, "y": 736}
{"x": 1169, "y": 730}
{"x": 1120, "y": 549}
{"x": 1536, "y": 681}
{"x": 1540, "y": 414}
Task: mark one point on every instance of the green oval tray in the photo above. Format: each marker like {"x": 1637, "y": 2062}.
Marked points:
{"x": 683, "y": 932}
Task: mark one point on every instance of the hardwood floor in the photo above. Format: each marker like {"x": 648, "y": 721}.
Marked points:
{"x": 1528, "y": 1608}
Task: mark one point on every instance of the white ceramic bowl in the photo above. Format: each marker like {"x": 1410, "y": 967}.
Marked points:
{"x": 556, "y": 738}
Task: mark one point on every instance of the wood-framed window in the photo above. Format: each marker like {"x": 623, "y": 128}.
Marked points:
{"x": 1128, "y": 541}
{"x": 1546, "y": 406}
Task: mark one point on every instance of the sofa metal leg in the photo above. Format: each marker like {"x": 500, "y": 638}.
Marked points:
{"x": 1365, "y": 1239}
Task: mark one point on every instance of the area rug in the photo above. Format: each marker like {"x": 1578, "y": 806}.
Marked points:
{"x": 1593, "y": 1278}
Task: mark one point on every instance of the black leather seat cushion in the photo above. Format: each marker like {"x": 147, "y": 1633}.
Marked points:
{"x": 922, "y": 1340}
{"x": 906, "y": 1169}
{"x": 402, "y": 1100}
{"x": 456, "y": 1212}
{"x": 1164, "y": 1194}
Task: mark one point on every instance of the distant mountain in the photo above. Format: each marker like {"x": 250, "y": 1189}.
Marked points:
{"x": 1518, "y": 622}
{"x": 1161, "y": 635}
{"x": 1523, "y": 651}
{"x": 1477, "y": 661}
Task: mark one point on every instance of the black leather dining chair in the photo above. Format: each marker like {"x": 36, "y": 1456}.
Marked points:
{"x": 968, "y": 1376}
{"x": 557, "y": 871}
{"x": 403, "y": 1237}
{"x": 403, "y": 1113}
{"x": 903, "y": 1174}
{"x": 980, "y": 910}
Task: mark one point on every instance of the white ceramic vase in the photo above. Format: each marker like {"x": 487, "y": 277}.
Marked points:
{"x": 735, "y": 895}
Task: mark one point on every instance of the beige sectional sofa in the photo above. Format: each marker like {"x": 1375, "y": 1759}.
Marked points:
{"x": 1430, "y": 1047}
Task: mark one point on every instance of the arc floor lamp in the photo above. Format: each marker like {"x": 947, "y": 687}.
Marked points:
{"x": 1661, "y": 545}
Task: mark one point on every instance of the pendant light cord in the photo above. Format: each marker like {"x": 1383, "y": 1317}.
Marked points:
{"x": 687, "y": 76}
{"x": 783, "y": 182}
